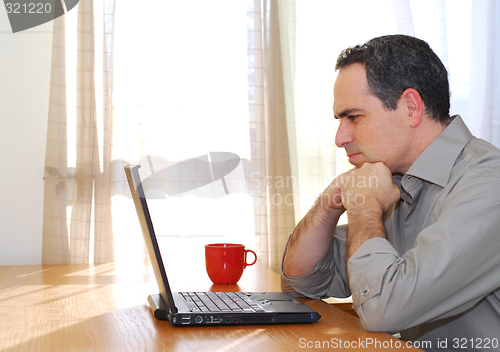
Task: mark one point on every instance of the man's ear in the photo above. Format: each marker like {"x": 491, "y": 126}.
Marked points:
{"x": 414, "y": 105}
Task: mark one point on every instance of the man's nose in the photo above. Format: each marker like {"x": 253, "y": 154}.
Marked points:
{"x": 344, "y": 134}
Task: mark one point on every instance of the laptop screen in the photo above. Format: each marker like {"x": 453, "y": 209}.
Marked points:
{"x": 138, "y": 195}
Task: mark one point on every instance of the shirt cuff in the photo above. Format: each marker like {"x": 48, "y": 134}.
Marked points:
{"x": 367, "y": 269}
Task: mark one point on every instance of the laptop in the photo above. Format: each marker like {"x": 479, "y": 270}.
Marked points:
{"x": 209, "y": 308}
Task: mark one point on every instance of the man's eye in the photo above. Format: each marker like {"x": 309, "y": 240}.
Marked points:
{"x": 352, "y": 117}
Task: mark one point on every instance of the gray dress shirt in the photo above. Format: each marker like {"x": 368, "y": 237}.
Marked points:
{"x": 436, "y": 278}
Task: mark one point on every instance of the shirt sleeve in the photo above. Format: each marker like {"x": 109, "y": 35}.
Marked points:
{"x": 454, "y": 264}
{"x": 328, "y": 278}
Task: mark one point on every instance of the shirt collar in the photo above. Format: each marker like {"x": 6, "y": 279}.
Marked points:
{"x": 437, "y": 160}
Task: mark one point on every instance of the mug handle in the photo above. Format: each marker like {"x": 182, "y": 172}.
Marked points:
{"x": 255, "y": 259}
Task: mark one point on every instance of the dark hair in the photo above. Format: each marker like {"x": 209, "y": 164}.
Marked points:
{"x": 395, "y": 63}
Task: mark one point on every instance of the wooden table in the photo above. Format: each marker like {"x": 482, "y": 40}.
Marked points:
{"x": 104, "y": 308}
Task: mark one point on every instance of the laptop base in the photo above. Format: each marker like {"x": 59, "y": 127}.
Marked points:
{"x": 161, "y": 312}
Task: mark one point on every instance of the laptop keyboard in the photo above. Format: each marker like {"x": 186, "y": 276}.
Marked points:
{"x": 220, "y": 302}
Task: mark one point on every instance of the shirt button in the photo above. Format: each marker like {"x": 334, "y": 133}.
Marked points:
{"x": 365, "y": 292}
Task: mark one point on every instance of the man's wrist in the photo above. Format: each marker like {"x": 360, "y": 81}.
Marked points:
{"x": 367, "y": 210}
{"x": 364, "y": 223}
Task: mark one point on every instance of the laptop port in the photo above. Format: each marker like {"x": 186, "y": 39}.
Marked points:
{"x": 198, "y": 319}
{"x": 186, "y": 319}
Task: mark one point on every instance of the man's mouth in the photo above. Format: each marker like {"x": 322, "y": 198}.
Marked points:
{"x": 352, "y": 156}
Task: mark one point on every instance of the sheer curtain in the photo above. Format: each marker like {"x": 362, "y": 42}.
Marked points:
{"x": 184, "y": 81}
{"x": 484, "y": 104}
{"x": 253, "y": 78}
{"x": 274, "y": 205}
{"x": 205, "y": 79}
{"x": 77, "y": 173}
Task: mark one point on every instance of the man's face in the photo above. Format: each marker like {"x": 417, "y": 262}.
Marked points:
{"x": 368, "y": 131}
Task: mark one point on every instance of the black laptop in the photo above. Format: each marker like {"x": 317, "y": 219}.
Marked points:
{"x": 209, "y": 308}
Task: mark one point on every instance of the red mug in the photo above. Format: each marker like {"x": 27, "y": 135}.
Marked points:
{"x": 226, "y": 261}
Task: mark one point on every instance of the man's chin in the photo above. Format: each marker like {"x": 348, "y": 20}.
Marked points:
{"x": 359, "y": 161}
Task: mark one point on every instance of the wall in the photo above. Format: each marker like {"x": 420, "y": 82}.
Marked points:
{"x": 24, "y": 94}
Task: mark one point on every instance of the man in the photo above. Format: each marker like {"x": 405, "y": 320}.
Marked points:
{"x": 421, "y": 251}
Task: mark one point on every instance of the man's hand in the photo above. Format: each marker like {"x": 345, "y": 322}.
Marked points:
{"x": 332, "y": 195}
{"x": 367, "y": 192}
{"x": 369, "y": 187}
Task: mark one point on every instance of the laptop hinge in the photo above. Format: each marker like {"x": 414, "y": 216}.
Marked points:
{"x": 158, "y": 307}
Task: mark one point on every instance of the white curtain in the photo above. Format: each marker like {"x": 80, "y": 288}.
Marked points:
{"x": 484, "y": 100}
{"x": 194, "y": 78}
{"x": 188, "y": 79}
{"x": 77, "y": 204}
